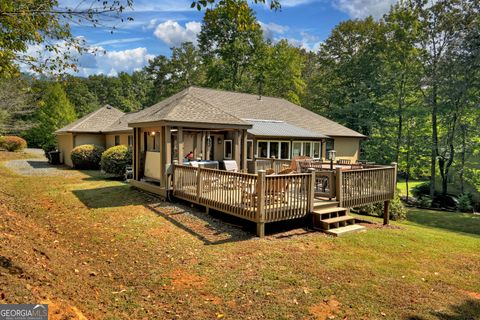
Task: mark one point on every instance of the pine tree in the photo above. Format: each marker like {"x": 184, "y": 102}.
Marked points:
{"x": 54, "y": 112}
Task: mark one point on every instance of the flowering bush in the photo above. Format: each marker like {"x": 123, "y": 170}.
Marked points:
{"x": 12, "y": 143}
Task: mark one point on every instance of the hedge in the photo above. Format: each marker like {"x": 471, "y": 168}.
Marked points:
{"x": 116, "y": 159}
{"x": 12, "y": 143}
{"x": 87, "y": 156}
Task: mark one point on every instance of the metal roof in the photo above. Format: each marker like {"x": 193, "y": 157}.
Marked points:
{"x": 276, "y": 128}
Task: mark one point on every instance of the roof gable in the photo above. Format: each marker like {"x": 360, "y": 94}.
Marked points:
{"x": 94, "y": 122}
{"x": 185, "y": 106}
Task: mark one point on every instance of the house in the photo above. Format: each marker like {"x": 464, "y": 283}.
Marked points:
{"x": 218, "y": 125}
{"x": 105, "y": 127}
{"x": 250, "y": 134}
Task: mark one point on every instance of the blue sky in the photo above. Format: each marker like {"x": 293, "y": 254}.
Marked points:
{"x": 159, "y": 25}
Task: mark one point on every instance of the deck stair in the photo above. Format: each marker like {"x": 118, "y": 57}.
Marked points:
{"x": 330, "y": 218}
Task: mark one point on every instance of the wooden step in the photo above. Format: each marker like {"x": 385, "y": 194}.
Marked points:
{"x": 338, "y": 219}
{"x": 325, "y": 204}
{"x": 337, "y": 232}
{"x": 329, "y": 210}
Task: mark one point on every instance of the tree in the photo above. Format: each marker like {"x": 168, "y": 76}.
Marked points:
{"x": 54, "y": 112}
{"x": 43, "y": 24}
{"x": 283, "y": 75}
{"x": 238, "y": 10}
{"x": 80, "y": 96}
{"x": 169, "y": 76}
{"x": 15, "y": 106}
{"x": 228, "y": 49}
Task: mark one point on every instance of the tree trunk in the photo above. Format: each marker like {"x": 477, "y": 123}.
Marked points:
{"x": 434, "y": 153}
{"x": 462, "y": 166}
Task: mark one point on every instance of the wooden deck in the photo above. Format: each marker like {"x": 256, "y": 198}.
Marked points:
{"x": 265, "y": 198}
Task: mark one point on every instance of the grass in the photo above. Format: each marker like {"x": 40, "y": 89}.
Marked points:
{"x": 97, "y": 248}
{"x": 402, "y": 186}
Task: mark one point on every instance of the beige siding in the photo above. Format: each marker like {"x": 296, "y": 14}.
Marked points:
{"x": 110, "y": 139}
{"x": 89, "y": 138}
{"x": 347, "y": 148}
{"x": 65, "y": 146}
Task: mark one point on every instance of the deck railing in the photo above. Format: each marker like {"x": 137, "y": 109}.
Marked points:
{"x": 365, "y": 186}
{"x": 255, "y": 197}
{"x": 266, "y": 198}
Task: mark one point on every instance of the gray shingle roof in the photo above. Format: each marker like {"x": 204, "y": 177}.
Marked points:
{"x": 121, "y": 124}
{"x": 186, "y": 106}
{"x": 248, "y": 106}
{"x": 94, "y": 122}
{"x": 274, "y": 128}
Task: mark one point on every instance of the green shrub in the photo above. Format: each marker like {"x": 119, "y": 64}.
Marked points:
{"x": 421, "y": 190}
{"x": 424, "y": 202}
{"x": 116, "y": 159}
{"x": 396, "y": 209}
{"x": 87, "y": 156}
{"x": 12, "y": 143}
{"x": 465, "y": 203}
{"x": 49, "y": 146}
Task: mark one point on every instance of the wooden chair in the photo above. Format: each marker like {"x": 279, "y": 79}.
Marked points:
{"x": 344, "y": 161}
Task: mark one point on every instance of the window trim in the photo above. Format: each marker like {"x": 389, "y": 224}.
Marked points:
{"x": 279, "y": 148}
{"x": 303, "y": 149}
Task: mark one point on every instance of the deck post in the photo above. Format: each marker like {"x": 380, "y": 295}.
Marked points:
{"x": 311, "y": 194}
{"x": 261, "y": 204}
{"x": 244, "y": 152}
{"x": 386, "y": 213}
{"x": 199, "y": 184}
{"x": 181, "y": 151}
{"x": 237, "y": 147}
{"x": 338, "y": 186}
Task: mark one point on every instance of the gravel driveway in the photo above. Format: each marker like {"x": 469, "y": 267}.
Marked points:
{"x": 37, "y": 166}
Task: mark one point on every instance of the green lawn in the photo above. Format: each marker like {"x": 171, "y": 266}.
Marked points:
{"x": 97, "y": 248}
{"x": 402, "y": 186}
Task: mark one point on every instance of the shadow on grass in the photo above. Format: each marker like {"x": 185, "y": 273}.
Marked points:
{"x": 452, "y": 221}
{"x": 108, "y": 197}
{"x": 209, "y": 228}
{"x": 468, "y": 310}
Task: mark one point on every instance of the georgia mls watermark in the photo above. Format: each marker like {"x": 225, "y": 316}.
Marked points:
{"x": 23, "y": 311}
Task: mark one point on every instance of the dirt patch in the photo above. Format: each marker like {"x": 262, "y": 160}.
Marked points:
{"x": 472, "y": 294}
{"x": 184, "y": 280}
{"x": 325, "y": 310}
{"x": 60, "y": 310}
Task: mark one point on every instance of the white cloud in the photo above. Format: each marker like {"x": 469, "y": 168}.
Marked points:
{"x": 271, "y": 29}
{"x": 364, "y": 8}
{"x": 97, "y": 60}
{"x": 307, "y": 41}
{"x": 173, "y": 34}
{"x": 118, "y": 41}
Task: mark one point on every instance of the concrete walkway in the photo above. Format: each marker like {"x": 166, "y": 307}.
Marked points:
{"x": 38, "y": 166}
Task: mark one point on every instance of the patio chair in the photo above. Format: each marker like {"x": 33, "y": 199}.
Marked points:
{"x": 343, "y": 161}
{"x": 230, "y": 165}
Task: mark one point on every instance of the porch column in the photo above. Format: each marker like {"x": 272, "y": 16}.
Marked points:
{"x": 181, "y": 154}
{"x": 203, "y": 149}
{"x": 244, "y": 151}
{"x": 208, "y": 146}
{"x": 236, "y": 146}
{"x": 136, "y": 152}
{"x": 165, "y": 153}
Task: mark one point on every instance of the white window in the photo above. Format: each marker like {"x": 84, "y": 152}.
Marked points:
{"x": 273, "y": 149}
{"x": 227, "y": 149}
{"x": 310, "y": 149}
